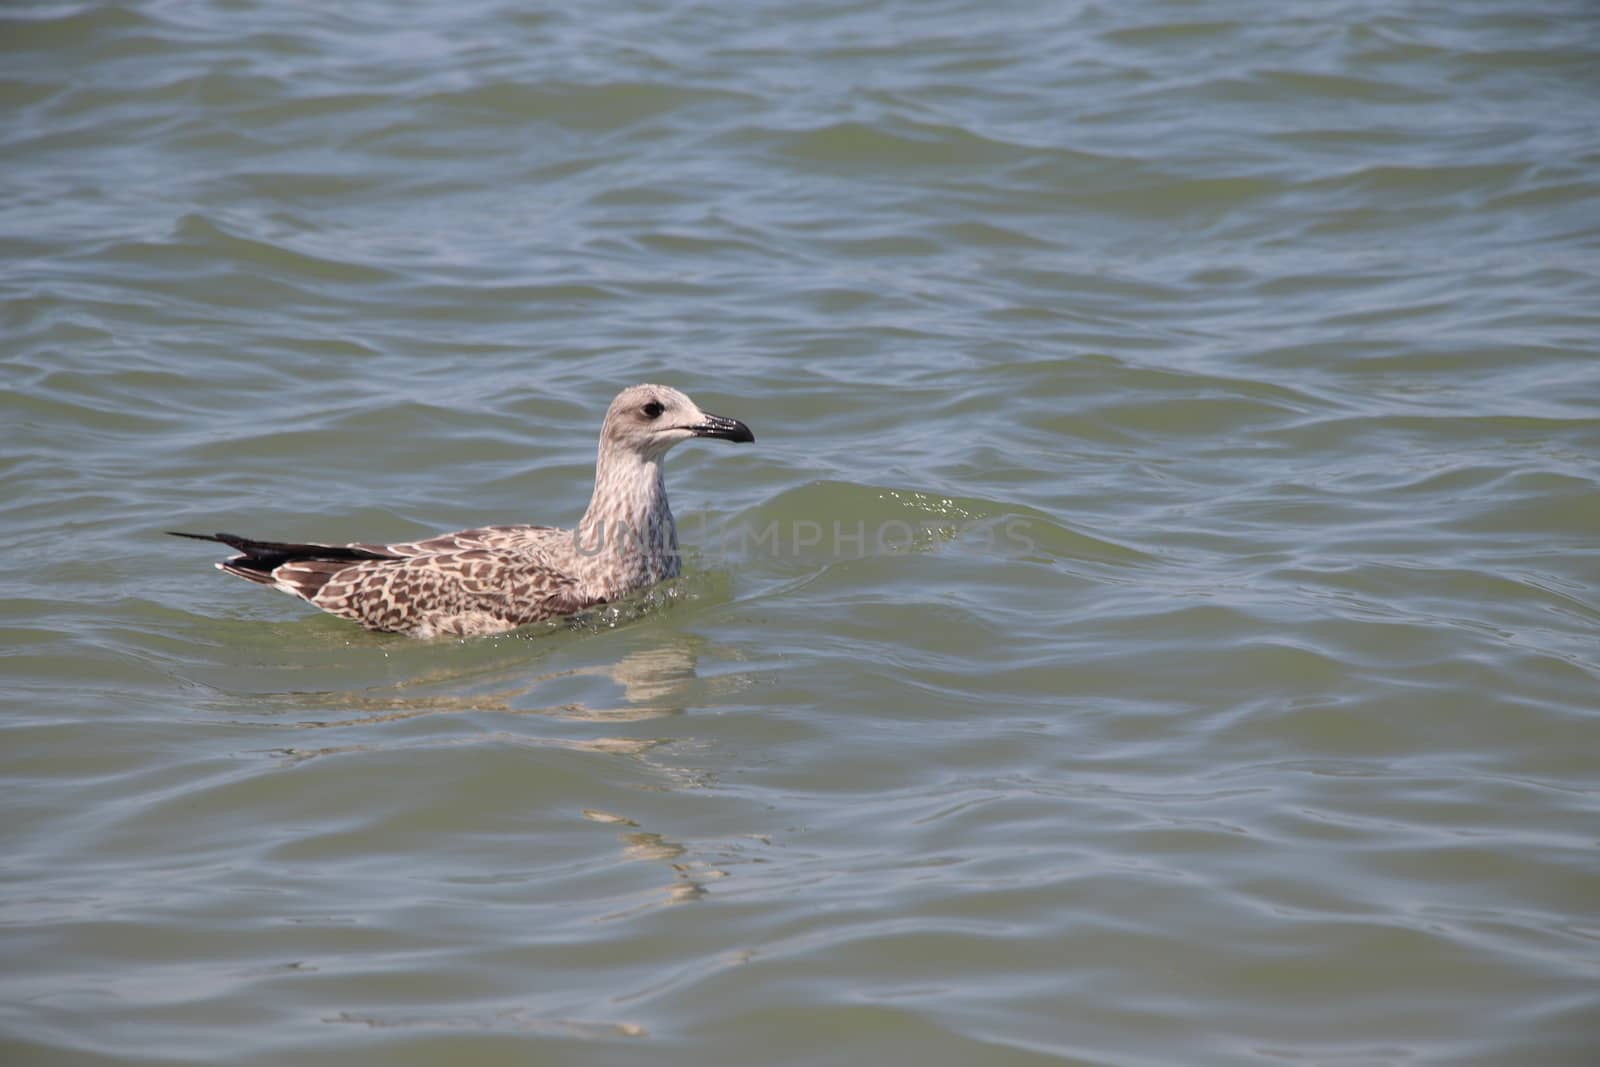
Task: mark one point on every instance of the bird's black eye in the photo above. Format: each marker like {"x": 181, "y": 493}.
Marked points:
{"x": 653, "y": 409}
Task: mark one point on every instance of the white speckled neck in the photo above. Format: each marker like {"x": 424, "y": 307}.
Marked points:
{"x": 627, "y": 539}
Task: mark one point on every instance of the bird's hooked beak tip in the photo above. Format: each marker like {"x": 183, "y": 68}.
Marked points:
{"x": 723, "y": 428}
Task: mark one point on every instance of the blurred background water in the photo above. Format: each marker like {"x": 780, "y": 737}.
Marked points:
{"x": 1223, "y": 692}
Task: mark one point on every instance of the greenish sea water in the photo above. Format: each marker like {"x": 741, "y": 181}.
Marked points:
{"x": 1157, "y": 623}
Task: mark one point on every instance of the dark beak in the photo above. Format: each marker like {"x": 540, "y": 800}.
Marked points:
{"x": 724, "y": 428}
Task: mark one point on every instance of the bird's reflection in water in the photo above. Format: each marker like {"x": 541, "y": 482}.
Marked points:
{"x": 649, "y": 678}
{"x": 654, "y": 683}
{"x": 689, "y": 875}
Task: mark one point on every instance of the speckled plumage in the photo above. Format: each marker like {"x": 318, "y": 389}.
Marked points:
{"x": 496, "y": 578}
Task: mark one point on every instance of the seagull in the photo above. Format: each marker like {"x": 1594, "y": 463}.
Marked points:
{"x": 496, "y": 578}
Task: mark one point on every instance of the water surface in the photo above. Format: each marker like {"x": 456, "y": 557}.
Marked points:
{"x": 1157, "y": 623}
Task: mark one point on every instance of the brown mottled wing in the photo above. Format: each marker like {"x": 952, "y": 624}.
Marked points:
{"x": 465, "y": 591}
{"x": 514, "y": 538}
{"x": 304, "y": 578}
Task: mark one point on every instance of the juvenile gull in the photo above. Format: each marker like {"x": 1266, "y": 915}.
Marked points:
{"x": 496, "y": 578}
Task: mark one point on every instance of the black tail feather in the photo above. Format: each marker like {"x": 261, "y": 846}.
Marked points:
{"x": 265, "y": 556}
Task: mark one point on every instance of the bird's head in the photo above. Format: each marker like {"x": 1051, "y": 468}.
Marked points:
{"x": 650, "y": 419}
